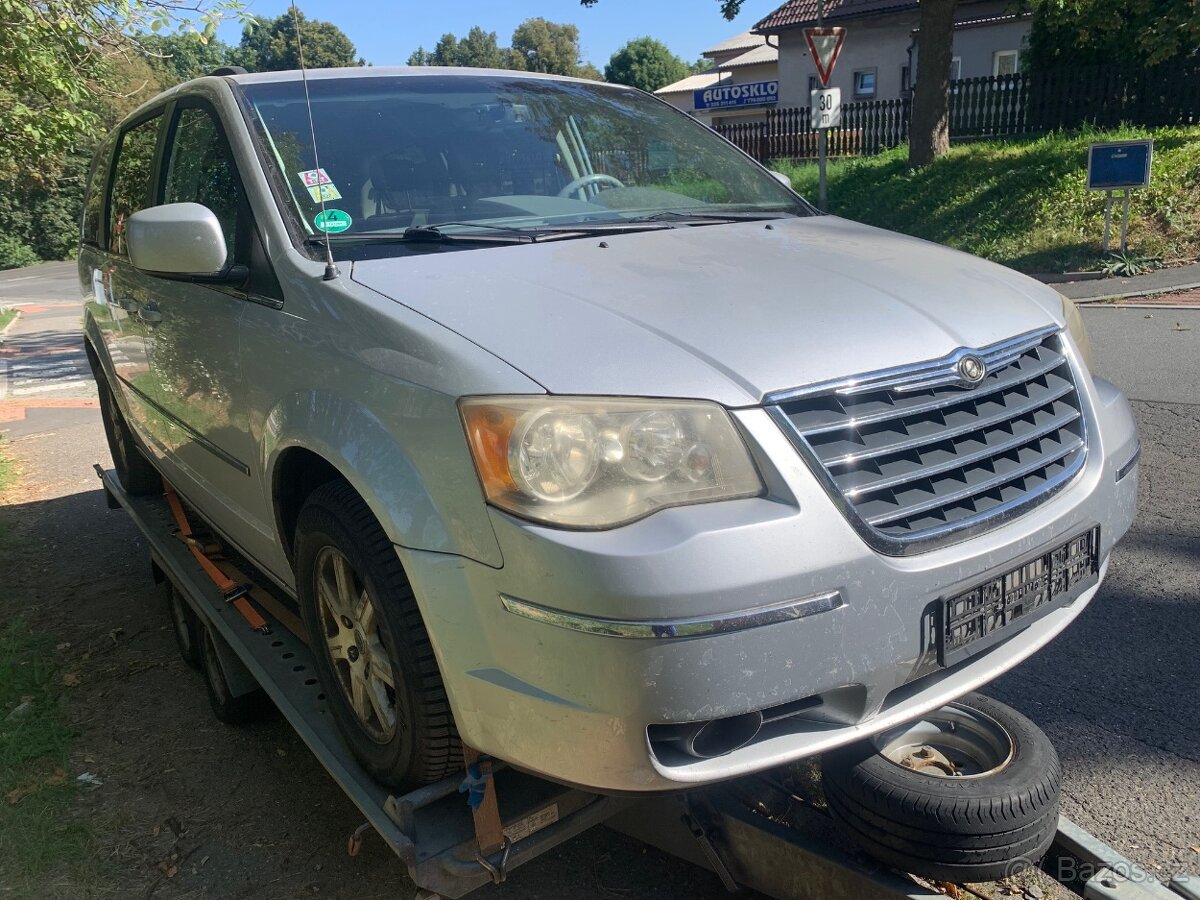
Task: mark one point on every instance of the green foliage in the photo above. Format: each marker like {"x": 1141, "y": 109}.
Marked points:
{"x": 182, "y": 57}
{"x": 729, "y": 8}
{"x": 1023, "y": 202}
{"x": 36, "y": 830}
{"x": 479, "y": 49}
{"x": 646, "y": 64}
{"x": 55, "y": 62}
{"x": 546, "y": 46}
{"x": 269, "y": 45}
{"x": 537, "y": 46}
{"x": 1125, "y": 265}
{"x": 1101, "y": 32}
{"x": 703, "y": 64}
{"x": 15, "y": 253}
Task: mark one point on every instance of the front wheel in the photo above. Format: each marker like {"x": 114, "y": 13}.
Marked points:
{"x": 371, "y": 648}
{"x": 134, "y": 471}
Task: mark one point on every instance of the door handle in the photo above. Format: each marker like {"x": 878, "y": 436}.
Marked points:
{"x": 150, "y": 314}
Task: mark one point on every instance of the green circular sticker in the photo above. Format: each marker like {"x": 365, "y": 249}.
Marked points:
{"x": 333, "y": 221}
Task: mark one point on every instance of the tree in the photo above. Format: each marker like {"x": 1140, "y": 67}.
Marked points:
{"x": 546, "y": 46}
{"x": 703, "y": 64}
{"x": 929, "y": 128}
{"x": 181, "y": 57}
{"x": 646, "y": 64}
{"x": 729, "y": 8}
{"x": 56, "y": 56}
{"x": 269, "y": 45}
{"x": 1135, "y": 33}
{"x": 479, "y": 49}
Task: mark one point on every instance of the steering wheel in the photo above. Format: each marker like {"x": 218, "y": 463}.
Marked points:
{"x": 585, "y": 180}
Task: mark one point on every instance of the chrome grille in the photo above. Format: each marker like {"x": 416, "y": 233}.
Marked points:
{"x": 915, "y": 455}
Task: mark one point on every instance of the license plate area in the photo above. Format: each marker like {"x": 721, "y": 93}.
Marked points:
{"x": 997, "y": 608}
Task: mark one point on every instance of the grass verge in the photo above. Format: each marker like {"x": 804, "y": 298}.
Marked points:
{"x": 6, "y": 316}
{"x": 41, "y": 842}
{"x": 1021, "y": 202}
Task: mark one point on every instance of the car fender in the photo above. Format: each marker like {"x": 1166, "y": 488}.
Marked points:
{"x": 418, "y": 479}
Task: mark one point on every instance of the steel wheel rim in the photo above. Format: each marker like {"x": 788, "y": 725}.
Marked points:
{"x": 955, "y": 741}
{"x": 360, "y": 660}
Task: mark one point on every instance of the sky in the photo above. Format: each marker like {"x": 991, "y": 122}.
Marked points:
{"x": 385, "y": 33}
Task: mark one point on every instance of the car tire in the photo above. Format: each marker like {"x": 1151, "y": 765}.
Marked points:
{"x": 185, "y": 626}
{"x": 229, "y": 709}
{"x": 994, "y": 818}
{"x": 137, "y": 476}
{"x": 366, "y": 630}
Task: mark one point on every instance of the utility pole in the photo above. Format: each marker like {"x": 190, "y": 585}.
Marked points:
{"x": 822, "y": 139}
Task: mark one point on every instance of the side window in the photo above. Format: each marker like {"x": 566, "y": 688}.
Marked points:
{"x": 93, "y": 205}
{"x": 131, "y": 182}
{"x": 200, "y": 170}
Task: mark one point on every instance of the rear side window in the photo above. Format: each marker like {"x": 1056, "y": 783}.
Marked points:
{"x": 131, "y": 181}
{"x": 200, "y": 169}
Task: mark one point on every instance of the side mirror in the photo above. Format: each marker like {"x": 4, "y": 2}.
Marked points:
{"x": 177, "y": 240}
{"x": 782, "y": 179}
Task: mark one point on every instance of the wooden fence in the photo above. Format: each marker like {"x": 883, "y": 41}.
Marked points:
{"x": 985, "y": 108}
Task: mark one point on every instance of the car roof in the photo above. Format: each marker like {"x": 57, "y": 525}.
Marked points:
{"x": 394, "y": 72}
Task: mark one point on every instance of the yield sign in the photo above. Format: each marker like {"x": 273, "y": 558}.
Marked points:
{"x": 825, "y": 44}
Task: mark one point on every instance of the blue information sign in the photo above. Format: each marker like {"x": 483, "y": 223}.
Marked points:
{"x": 1119, "y": 165}
{"x": 726, "y": 96}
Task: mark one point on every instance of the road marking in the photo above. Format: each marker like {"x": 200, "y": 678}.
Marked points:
{"x": 75, "y": 384}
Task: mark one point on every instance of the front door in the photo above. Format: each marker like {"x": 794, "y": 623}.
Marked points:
{"x": 123, "y": 293}
{"x": 201, "y": 411}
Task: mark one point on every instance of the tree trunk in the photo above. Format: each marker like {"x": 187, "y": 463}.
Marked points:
{"x": 929, "y": 132}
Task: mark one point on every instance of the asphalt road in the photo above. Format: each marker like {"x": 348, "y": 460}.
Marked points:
{"x": 1118, "y": 693}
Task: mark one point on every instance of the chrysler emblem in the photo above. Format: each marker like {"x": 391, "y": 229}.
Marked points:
{"x": 972, "y": 370}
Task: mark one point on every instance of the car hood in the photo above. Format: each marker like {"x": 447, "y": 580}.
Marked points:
{"x": 722, "y": 312}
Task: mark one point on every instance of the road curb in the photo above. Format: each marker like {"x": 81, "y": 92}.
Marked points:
{"x": 9, "y": 327}
{"x": 1107, "y": 298}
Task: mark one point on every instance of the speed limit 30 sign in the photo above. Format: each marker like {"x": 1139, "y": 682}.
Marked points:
{"x": 827, "y": 108}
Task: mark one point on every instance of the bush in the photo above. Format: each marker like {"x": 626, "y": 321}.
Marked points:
{"x": 16, "y": 255}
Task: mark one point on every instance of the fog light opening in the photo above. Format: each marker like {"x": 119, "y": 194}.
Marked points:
{"x": 718, "y": 737}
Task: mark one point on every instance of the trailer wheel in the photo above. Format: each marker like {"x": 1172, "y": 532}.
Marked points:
{"x": 229, "y": 709}
{"x": 134, "y": 471}
{"x": 185, "y": 626}
{"x": 966, "y": 793}
{"x": 369, "y": 642}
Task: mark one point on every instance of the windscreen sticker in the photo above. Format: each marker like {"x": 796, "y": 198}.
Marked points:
{"x": 332, "y": 221}
{"x": 313, "y": 177}
{"x": 322, "y": 192}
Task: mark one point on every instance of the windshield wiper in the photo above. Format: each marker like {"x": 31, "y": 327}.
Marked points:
{"x": 432, "y": 234}
{"x": 714, "y": 218}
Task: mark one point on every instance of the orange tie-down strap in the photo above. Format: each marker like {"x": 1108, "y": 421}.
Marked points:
{"x": 234, "y": 593}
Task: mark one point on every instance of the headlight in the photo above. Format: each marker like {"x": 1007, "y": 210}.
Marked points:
{"x": 598, "y": 463}
{"x": 1078, "y": 332}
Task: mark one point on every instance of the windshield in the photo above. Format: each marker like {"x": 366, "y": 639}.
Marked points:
{"x": 471, "y": 153}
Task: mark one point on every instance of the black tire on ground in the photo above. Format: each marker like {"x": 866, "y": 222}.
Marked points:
{"x": 134, "y": 471}
{"x": 230, "y": 710}
{"x": 184, "y": 624}
{"x": 960, "y": 829}
{"x": 406, "y": 734}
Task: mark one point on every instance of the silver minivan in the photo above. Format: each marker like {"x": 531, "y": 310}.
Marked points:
{"x": 575, "y": 435}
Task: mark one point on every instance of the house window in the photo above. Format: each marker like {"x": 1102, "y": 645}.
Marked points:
{"x": 956, "y": 68}
{"x": 1005, "y": 62}
{"x": 864, "y": 83}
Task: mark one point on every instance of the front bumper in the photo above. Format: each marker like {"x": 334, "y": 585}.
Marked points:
{"x": 575, "y": 704}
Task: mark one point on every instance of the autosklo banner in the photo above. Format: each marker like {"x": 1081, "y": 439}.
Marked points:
{"x": 724, "y": 96}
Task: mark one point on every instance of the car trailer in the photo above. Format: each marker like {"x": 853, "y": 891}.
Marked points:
{"x": 755, "y": 832}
